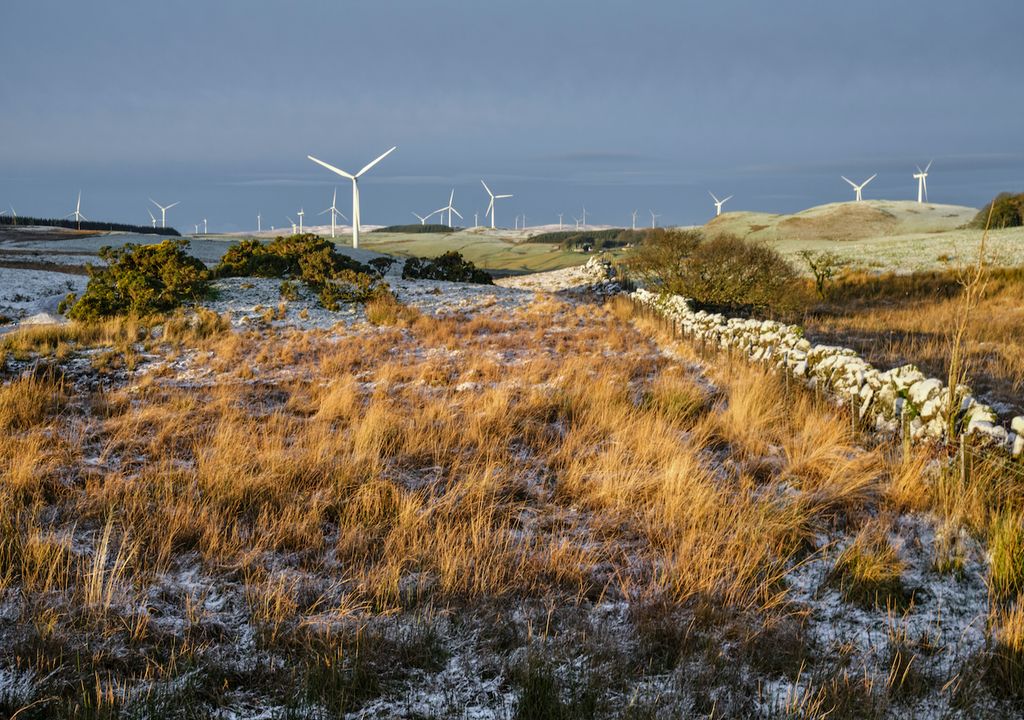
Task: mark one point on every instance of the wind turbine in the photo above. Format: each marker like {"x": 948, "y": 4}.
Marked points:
{"x": 77, "y": 215}
{"x": 300, "y": 213}
{"x": 292, "y": 222}
{"x": 356, "y": 217}
{"x": 857, "y": 188}
{"x": 259, "y": 222}
{"x": 577, "y": 221}
{"x": 922, "y": 182}
{"x": 490, "y": 207}
{"x": 720, "y": 203}
{"x": 584, "y": 217}
{"x": 423, "y": 220}
{"x": 14, "y": 214}
{"x": 333, "y": 210}
{"x": 196, "y": 226}
{"x": 476, "y": 219}
{"x": 654, "y": 218}
{"x": 450, "y": 208}
{"x": 205, "y": 230}
{"x": 152, "y": 217}
{"x": 163, "y": 211}
{"x": 634, "y": 219}
{"x": 560, "y": 220}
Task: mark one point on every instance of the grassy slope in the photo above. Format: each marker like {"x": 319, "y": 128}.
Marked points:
{"x": 880, "y": 235}
{"x": 490, "y": 250}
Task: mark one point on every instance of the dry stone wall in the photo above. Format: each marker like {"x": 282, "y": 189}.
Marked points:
{"x": 901, "y": 400}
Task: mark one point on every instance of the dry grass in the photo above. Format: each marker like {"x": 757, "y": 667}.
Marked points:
{"x": 894, "y": 320}
{"x": 318, "y": 485}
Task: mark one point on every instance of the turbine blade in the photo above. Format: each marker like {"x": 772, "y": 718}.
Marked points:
{"x": 331, "y": 167}
{"x": 172, "y": 205}
{"x": 926, "y": 167}
{"x": 712, "y": 196}
{"x": 727, "y": 200}
{"x": 322, "y": 212}
{"x": 154, "y": 202}
{"x": 497, "y": 197}
{"x": 869, "y": 179}
{"x": 457, "y": 213}
{"x": 487, "y": 189}
{"x": 852, "y": 183}
{"x": 370, "y": 165}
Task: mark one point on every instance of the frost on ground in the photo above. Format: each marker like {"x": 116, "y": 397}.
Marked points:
{"x": 25, "y": 293}
{"x": 508, "y": 504}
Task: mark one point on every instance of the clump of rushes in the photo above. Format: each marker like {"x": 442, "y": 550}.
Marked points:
{"x": 869, "y": 571}
{"x": 1006, "y": 548}
{"x": 1005, "y": 670}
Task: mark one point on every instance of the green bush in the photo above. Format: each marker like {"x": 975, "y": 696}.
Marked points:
{"x": 336, "y": 278}
{"x": 1007, "y": 211}
{"x": 140, "y": 280}
{"x": 451, "y": 267}
{"x": 722, "y": 273}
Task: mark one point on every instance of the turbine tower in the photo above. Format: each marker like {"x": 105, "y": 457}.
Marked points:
{"x": 490, "y": 206}
{"x": 163, "y": 211}
{"x": 922, "y": 182}
{"x": 300, "y": 213}
{"x": 259, "y": 222}
{"x": 720, "y": 203}
{"x": 77, "y": 215}
{"x": 634, "y": 219}
{"x": 584, "y": 217}
{"x": 654, "y": 218}
{"x": 333, "y": 210}
{"x": 356, "y": 217}
{"x": 560, "y": 221}
{"x": 205, "y": 230}
{"x": 857, "y": 188}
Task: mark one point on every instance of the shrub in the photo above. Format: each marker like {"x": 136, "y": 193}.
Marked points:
{"x": 1007, "y": 211}
{"x": 724, "y": 272}
{"x": 824, "y": 266}
{"x": 451, "y": 267}
{"x": 336, "y": 278}
{"x": 140, "y": 280}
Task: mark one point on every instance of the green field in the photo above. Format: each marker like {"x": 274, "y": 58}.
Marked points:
{"x": 492, "y": 250}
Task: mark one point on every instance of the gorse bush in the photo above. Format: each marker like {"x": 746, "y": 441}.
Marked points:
{"x": 451, "y": 267}
{"x": 140, "y": 280}
{"x": 336, "y": 278}
{"x": 1007, "y": 211}
{"x": 724, "y": 272}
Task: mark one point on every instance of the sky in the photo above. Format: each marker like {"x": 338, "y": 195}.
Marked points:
{"x": 616, "y": 106}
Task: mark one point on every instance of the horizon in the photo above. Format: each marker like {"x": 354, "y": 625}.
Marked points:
{"x": 616, "y": 108}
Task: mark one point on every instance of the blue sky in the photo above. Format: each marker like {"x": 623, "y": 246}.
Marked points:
{"x": 615, "y": 105}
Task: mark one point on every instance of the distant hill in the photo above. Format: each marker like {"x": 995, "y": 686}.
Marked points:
{"x": 415, "y": 229}
{"x": 844, "y": 221}
{"x": 86, "y": 225}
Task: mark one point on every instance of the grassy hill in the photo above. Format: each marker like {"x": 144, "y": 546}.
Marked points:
{"x": 845, "y": 221}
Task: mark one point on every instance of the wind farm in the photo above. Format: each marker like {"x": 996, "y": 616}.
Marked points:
{"x": 573, "y": 444}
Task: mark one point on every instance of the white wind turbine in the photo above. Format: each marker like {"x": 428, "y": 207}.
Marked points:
{"x": 205, "y": 230}
{"x": 300, "y": 213}
{"x": 77, "y": 215}
{"x": 356, "y": 217}
{"x": 490, "y": 207}
{"x": 560, "y": 220}
{"x": 152, "y": 217}
{"x": 720, "y": 203}
{"x": 857, "y": 188}
{"x": 654, "y": 218}
{"x": 634, "y": 219}
{"x": 292, "y": 222}
{"x": 423, "y": 220}
{"x": 584, "y": 217}
{"x": 333, "y": 210}
{"x": 163, "y": 211}
{"x": 922, "y": 182}
{"x": 450, "y": 209}
{"x": 196, "y": 226}
{"x": 259, "y": 222}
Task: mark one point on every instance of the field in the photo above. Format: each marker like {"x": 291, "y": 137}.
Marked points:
{"x": 877, "y": 236}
